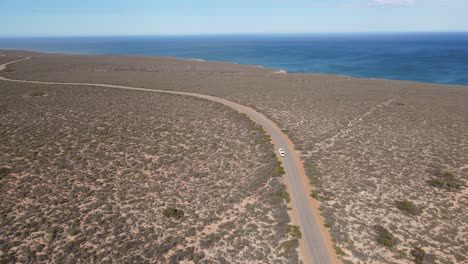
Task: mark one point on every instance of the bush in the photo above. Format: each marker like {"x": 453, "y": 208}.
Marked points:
{"x": 294, "y": 231}
{"x": 289, "y": 245}
{"x": 168, "y": 244}
{"x": 339, "y": 251}
{"x": 173, "y": 213}
{"x": 445, "y": 180}
{"x": 418, "y": 254}
{"x": 384, "y": 237}
{"x": 181, "y": 254}
{"x": 37, "y": 94}
{"x": 209, "y": 241}
{"x": 266, "y": 138}
{"x": 73, "y": 232}
{"x": 283, "y": 194}
{"x": 281, "y": 170}
{"x": 314, "y": 195}
{"x": 70, "y": 246}
{"x": 313, "y": 174}
{"x": 4, "y": 171}
{"x": 407, "y": 207}
{"x": 52, "y": 233}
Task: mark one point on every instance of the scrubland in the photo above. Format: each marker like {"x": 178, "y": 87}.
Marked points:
{"x": 101, "y": 175}
{"x": 387, "y": 159}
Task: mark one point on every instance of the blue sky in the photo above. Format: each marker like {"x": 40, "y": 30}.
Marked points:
{"x": 155, "y": 17}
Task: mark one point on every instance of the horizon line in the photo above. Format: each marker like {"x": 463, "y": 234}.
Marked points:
{"x": 231, "y": 34}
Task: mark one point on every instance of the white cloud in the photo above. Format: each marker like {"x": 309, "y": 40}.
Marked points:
{"x": 393, "y": 2}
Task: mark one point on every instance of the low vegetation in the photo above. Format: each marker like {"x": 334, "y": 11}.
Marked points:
{"x": 313, "y": 174}
{"x": 279, "y": 170}
{"x": 106, "y": 175}
{"x": 9, "y": 70}
{"x": 314, "y": 195}
{"x": 384, "y": 237}
{"x": 294, "y": 231}
{"x": 418, "y": 254}
{"x": 173, "y": 213}
{"x": 282, "y": 194}
{"x": 289, "y": 246}
{"x": 445, "y": 180}
{"x": 364, "y": 144}
{"x": 407, "y": 207}
{"x": 4, "y": 171}
{"x": 338, "y": 250}
{"x": 37, "y": 94}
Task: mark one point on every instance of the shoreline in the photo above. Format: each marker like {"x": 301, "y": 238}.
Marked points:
{"x": 274, "y": 70}
{"x": 336, "y": 124}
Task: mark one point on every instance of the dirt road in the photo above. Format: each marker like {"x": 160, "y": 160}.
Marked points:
{"x": 316, "y": 246}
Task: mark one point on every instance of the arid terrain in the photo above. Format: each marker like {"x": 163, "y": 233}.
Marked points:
{"x": 99, "y": 175}
{"x": 387, "y": 159}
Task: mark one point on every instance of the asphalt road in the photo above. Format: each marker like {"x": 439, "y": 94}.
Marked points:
{"x": 316, "y": 245}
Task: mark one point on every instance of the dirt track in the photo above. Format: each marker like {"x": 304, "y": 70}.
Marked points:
{"x": 316, "y": 241}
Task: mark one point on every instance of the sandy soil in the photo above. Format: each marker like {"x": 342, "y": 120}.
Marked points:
{"x": 94, "y": 174}
{"x": 368, "y": 145}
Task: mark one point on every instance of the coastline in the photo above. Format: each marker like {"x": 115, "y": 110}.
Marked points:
{"x": 339, "y": 126}
{"x": 322, "y": 244}
{"x": 273, "y": 70}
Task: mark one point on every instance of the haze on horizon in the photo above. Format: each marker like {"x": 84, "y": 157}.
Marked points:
{"x": 149, "y": 17}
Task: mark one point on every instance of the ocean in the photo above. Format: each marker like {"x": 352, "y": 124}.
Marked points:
{"x": 423, "y": 57}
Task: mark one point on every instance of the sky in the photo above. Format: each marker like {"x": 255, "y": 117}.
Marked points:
{"x": 188, "y": 17}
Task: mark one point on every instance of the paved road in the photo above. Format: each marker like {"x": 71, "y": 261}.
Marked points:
{"x": 317, "y": 244}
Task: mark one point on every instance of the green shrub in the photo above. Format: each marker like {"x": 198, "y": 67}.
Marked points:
{"x": 73, "y": 232}
{"x": 384, "y": 237}
{"x": 70, "y": 246}
{"x": 314, "y": 195}
{"x": 52, "y": 233}
{"x": 313, "y": 174}
{"x": 169, "y": 243}
{"x": 289, "y": 245}
{"x": 266, "y": 138}
{"x": 407, "y": 207}
{"x": 197, "y": 257}
{"x": 283, "y": 194}
{"x": 4, "y": 171}
{"x": 294, "y": 231}
{"x": 400, "y": 254}
{"x": 460, "y": 258}
{"x": 445, "y": 180}
{"x": 173, "y": 213}
{"x": 339, "y": 251}
{"x": 37, "y": 94}
{"x": 280, "y": 170}
{"x": 418, "y": 254}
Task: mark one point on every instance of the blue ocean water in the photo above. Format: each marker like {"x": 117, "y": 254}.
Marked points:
{"x": 424, "y": 57}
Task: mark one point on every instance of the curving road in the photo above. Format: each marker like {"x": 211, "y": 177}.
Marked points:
{"x": 316, "y": 241}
